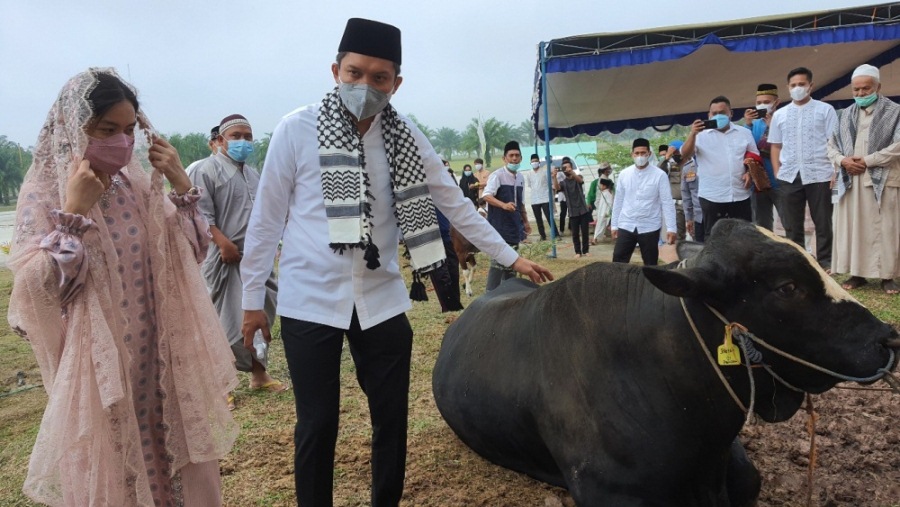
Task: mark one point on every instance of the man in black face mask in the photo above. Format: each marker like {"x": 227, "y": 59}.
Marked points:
{"x": 344, "y": 180}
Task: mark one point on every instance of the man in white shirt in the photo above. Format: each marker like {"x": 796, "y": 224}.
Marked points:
{"x": 504, "y": 196}
{"x": 798, "y": 137}
{"x": 342, "y": 179}
{"x": 642, "y": 199}
{"x": 720, "y": 152}
{"x": 540, "y": 196}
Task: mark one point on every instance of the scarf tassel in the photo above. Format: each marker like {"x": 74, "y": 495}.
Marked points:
{"x": 417, "y": 290}
{"x": 371, "y": 256}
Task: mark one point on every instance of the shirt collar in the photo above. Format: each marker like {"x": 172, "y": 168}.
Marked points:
{"x": 231, "y": 167}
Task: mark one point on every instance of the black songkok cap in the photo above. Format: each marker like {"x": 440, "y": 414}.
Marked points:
{"x": 371, "y": 38}
{"x": 767, "y": 89}
{"x": 663, "y": 147}
{"x": 214, "y": 133}
{"x": 640, "y": 142}
{"x": 534, "y": 156}
{"x": 512, "y": 145}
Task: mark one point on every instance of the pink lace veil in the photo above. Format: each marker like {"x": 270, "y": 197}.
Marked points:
{"x": 88, "y": 449}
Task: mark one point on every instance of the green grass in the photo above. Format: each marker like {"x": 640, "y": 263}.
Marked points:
{"x": 259, "y": 470}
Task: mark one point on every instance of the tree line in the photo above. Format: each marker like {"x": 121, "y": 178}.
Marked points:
{"x": 14, "y": 163}
{"x": 448, "y": 142}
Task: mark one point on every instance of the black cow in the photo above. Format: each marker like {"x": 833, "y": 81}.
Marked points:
{"x": 596, "y": 382}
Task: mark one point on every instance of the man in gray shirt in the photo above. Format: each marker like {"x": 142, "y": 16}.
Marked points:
{"x": 228, "y": 191}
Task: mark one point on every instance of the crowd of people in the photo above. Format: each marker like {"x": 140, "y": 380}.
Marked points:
{"x": 794, "y": 160}
{"x": 138, "y": 345}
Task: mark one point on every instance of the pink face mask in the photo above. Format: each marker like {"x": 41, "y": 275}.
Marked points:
{"x": 111, "y": 154}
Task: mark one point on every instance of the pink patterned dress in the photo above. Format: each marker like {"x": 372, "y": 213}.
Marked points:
{"x": 129, "y": 235}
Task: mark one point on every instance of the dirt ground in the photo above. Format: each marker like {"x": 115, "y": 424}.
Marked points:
{"x": 858, "y": 464}
{"x": 858, "y": 452}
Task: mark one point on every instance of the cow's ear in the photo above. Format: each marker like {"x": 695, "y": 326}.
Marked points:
{"x": 688, "y": 249}
{"x": 676, "y": 282}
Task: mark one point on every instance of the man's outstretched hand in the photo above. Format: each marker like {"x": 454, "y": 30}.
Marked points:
{"x": 532, "y": 270}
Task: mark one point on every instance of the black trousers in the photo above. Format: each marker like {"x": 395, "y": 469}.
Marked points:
{"x": 627, "y": 240}
{"x": 579, "y": 227}
{"x": 544, "y": 208}
{"x": 699, "y": 232}
{"x": 794, "y": 198}
{"x": 764, "y": 205}
{"x": 563, "y": 208}
{"x": 445, "y": 281}
{"x": 715, "y": 211}
{"x": 382, "y": 356}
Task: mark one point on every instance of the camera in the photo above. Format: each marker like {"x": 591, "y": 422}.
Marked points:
{"x": 710, "y": 124}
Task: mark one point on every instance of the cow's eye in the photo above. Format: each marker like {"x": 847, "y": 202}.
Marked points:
{"x": 787, "y": 290}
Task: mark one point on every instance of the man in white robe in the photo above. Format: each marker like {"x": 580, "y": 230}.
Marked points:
{"x": 866, "y": 154}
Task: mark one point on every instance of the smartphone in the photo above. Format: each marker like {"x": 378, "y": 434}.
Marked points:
{"x": 709, "y": 124}
{"x": 762, "y": 112}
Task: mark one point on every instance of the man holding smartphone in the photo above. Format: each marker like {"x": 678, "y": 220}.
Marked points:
{"x": 758, "y": 120}
{"x": 719, "y": 148}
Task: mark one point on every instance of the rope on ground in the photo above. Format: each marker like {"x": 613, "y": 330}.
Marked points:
{"x": 811, "y": 427}
{"x": 20, "y": 390}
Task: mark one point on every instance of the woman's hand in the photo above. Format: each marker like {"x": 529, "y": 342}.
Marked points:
{"x": 164, "y": 157}
{"x": 84, "y": 189}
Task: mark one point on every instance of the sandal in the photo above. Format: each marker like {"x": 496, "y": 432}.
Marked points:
{"x": 230, "y": 402}
{"x": 854, "y": 282}
{"x": 890, "y": 287}
{"x": 273, "y": 386}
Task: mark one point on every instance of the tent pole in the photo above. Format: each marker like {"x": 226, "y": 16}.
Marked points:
{"x": 550, "y": 219}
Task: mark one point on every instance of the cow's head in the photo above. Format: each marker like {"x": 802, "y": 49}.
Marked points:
{"x": 779, "y": 292}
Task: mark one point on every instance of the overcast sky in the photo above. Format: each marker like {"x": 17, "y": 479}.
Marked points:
{"x": 196, "y": 62}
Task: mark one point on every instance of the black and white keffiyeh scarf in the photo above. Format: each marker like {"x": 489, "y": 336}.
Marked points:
{"x": 884, "y": 131}
{"x": 345, "y": 186}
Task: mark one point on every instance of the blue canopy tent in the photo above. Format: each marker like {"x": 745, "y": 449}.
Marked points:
{"x": 657, "y": 78}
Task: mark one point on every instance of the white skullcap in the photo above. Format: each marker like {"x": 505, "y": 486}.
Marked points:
{"x": 867, "y": 70}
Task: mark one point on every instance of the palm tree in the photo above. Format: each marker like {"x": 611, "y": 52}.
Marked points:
{"x": 191, "y": 147}
{"x": 525, "y": 133}
{"x": 260, "y": 149}
{"x": 446, "y": 141}
{"x": 14, "y": 162}
{"x": 429, "y": 134}
{"x": 496, "y": 135}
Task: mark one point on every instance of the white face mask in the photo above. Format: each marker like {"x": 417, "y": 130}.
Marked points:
{"x": 535, "y": 165}
{"x": 799, "y": 93}
{"x": 478, "y": 167}
{"x": 641, "y": 160}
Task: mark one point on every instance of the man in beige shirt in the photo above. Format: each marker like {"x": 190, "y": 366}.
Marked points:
{"x": 866, "y": 154}
{"x": 481, "y": 174}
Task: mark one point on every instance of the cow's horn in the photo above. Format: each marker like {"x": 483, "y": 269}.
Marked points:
{"x": 893, "y": 343}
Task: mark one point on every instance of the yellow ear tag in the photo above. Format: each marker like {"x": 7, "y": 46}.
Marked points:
{"x": 728, "y": 352}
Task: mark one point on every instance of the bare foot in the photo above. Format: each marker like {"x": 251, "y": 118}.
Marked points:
{"x": 854, "y": 282}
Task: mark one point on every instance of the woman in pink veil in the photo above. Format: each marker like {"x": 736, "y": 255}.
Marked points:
{"x": 108, "y": 292}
